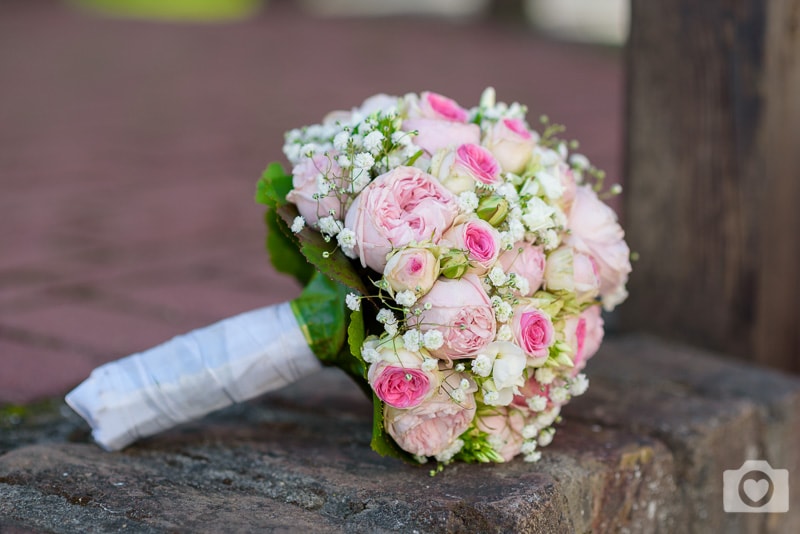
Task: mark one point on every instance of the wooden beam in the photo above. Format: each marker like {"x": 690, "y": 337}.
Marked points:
{"x": 712, "y": 173}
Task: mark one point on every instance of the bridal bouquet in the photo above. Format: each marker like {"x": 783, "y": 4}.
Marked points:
{"x": 472, "y": 254}
{"x": 454, "y": 262}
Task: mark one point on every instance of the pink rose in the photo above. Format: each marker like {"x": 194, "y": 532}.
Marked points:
{"x": 526, "y": 261}
{"x": 479, "y": 163}
{"x": 412, "y": 269}
{"x": 398, "y": 379}
{"x": 462, "y": 312}
{"x": 504, "y": 427}
{"x": 459, "y": 170}
{"x": 435, "y": 134}
{"x": 594, "y": 230}
{"x": 396, "y": 208}
{"x": 431, "y": 105}
{"x": 431, "y": 427}
{"x": 569, "y": 270}
{"x": 584, "y": 334}
{"x": 511, "y": 143}
{"x": 306, "y": 178}
{"x": 533, "y": 331}
{"x": 479, "y": 239}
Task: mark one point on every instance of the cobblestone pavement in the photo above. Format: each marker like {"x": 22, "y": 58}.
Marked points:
{"x": 129, "y": 153}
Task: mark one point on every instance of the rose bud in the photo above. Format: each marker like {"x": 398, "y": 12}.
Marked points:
{"x": 412, "y": 269}
{"x": 493, "y": 209}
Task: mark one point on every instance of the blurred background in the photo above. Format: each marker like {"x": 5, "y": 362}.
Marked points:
{"x": 132, "y": 133}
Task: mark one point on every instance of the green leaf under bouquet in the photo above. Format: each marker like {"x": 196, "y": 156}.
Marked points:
{"x": 473, "y": 255}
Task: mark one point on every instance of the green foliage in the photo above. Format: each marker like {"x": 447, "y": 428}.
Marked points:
{"x": 282, "y": 245}
{"x": 382, "y": 443}
{"x": 476, "y": 448}
{"x": 320, "y": 312}
{"x": 284, "y": 249}
{"x": 355, "y": 336}
{"x": 273, "y": 186}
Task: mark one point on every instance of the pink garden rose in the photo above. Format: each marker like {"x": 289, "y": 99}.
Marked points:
{"x": 432, "y": 105}
{"x": 533, "y": 331}
{"x": 594, "y": 230}
{"x": 584, "y": 334}
{"x": 461, "y": 169}
{"x": 479, "y": 239}
{"x": 434, "y": 134}
{"x": 431, "y": 427}
{"x": 504, "y": 427}
{"x": 511, "y": 143}
{"x": 396, "y": 208}
{"x": 305, "y": 184}
{"x": 526, "y": 261}
{"x": 440, "y": 123}
{"x": 412, "y": 269}
{"x": 398, "y": 379}
{"x": 461, "y": 311}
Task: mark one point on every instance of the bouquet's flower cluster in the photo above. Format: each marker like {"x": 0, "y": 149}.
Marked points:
{"x": 490, "y": 251}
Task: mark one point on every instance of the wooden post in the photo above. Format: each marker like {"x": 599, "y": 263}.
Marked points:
{"x": 713, "y": 175}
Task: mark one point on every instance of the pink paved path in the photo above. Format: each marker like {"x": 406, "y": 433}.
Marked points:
{"x": 129, "y": 153}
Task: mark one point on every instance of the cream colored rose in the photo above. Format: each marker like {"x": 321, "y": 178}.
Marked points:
{"x": 412, "y": 269}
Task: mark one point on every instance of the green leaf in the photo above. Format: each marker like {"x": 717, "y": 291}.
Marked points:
{"x": 313, "y": 246}
{"x": 284, "y": 249}
{"x": 320, "y": 312}
{"x": 273, "y": 186}
{"x": 382, "y": 443}
{"x": 356, "y": 334}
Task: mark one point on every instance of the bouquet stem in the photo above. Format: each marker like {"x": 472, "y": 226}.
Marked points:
{"x": 192, "y": 375}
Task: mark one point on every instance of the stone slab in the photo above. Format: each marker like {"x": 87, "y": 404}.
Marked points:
{"x": 642, "y": 451}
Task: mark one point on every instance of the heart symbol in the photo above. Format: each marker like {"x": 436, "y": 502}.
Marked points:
{"x": 756, "y": 490}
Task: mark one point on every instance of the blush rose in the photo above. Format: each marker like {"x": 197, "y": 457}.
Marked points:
{"x": 461, "y": 310}
{"x": 511, "y": 143}
{"x": 594, "y": 231}
{"x": 306, "y": 176}
{"x": 431, "y": 427}
{"x": 396, "y": 208}
{"x": 526, "y": 261}
{"x": 479, "y": 239}
{"x": 412, "y": 269}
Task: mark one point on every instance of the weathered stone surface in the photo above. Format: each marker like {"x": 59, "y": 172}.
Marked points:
{"x": 643, "y": 451}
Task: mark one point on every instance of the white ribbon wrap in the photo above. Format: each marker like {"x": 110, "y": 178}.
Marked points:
{"x": 192, "y": 375}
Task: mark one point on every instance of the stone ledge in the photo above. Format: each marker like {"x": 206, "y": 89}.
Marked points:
{"x": 642, "y": 451}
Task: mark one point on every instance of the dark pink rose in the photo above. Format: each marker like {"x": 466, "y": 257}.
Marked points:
{"x": 481, "y": 241}
{"x": 400, "y": 387}
{"x": 533, "y": 331}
